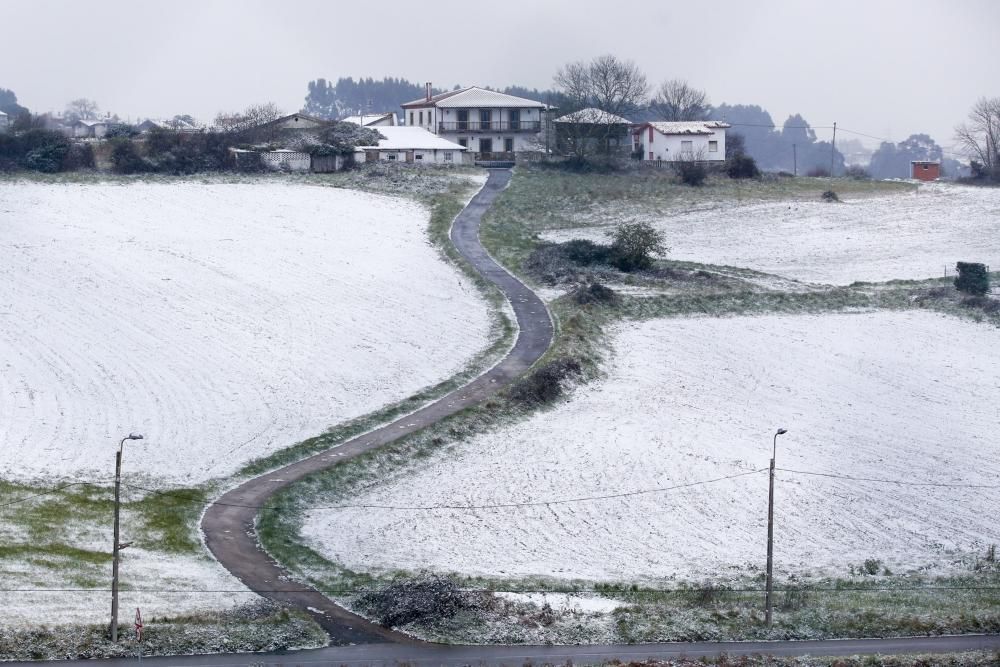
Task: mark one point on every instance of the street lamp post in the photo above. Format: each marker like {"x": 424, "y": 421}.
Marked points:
{"x": 770, "y": 531}
{"x": 117, "y": 544}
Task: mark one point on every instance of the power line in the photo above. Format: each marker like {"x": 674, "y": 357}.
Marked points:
{"x": 890, "y": 481}
{"x": 48, "y": 493}
{"x": 530, "y": 503}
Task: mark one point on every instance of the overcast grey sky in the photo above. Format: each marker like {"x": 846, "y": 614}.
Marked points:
{"x": 884, "y": 67}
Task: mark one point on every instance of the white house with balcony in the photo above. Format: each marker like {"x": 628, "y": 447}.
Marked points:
{"x": 676, "y": 141}
{"x": 491, "y": 125}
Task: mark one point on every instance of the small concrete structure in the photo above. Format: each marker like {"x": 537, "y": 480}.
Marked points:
{"x": 89, "y": 129}
{"x": 925, "y": 170}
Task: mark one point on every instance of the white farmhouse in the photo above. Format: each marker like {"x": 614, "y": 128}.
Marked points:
{"x": 493, "y": 126}
{"x": 413, "y": 145}
{"x": 4, "y": 121}
{"x": 673, "y": 142}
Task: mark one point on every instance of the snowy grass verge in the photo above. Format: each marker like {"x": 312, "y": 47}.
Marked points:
{"x": 250, "y": 628}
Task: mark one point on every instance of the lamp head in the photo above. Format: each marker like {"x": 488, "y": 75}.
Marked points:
{"x": 134, "y": 436}
{"x": 781, "y": 431}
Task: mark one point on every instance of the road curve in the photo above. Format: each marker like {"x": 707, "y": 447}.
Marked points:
{"x": 228, "y": 525}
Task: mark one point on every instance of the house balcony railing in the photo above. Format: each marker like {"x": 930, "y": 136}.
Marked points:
{"x": 533, "y": 126}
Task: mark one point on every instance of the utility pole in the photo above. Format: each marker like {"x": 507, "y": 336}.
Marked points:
{"x": 833, "y": 150}
{"x": 795, "y": 159}
{"x": 117, "y": 545}
{"x": 768, "y": 600}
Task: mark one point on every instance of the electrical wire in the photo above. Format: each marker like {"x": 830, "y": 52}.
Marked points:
{"x": 890, "y": 481}
{"x": 47, "y": 493}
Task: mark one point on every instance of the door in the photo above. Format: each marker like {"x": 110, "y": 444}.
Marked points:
{"x": 508, "y": 145}
{"x": 484, "y": 119}
{"x": 515, "y": 119}
{"x": 409, "y": 156}
{"x": 485, "y": 146}
{"x": 463, "y": 119}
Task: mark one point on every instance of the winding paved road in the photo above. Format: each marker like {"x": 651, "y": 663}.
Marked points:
{"x": 228, "y": 523}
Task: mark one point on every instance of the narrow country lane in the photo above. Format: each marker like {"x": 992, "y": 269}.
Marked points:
{"x": 228, "y": 523}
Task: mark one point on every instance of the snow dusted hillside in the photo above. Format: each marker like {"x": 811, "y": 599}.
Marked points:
{"x": 912, "y": 236}
{"x": 900, "y": 396}
{"x": 223, "y": 321}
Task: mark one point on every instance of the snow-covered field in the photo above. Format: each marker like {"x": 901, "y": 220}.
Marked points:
{"x": 906, "y": 396}
{"x": 222, "y": 321}
{"x": 908, "y": 236}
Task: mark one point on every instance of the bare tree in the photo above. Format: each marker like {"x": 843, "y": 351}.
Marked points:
{"x": 250, "y": 121}
{"x": 81, "y": 109}
{"x": 980, "y": 136}
{"x": 615, "y": 87}
{"x": 677, "y": 100}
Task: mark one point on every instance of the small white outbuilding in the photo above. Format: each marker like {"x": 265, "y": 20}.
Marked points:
{"x": 411, "y": 145}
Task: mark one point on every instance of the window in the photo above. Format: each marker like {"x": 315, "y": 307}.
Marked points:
{"x": 418, "y": 156}
{"x": 650, "y": 135}
{"x": 687, "y": 147}
{"x": 926, "y": 167}
{"x": 713, "y": 147}
{"x": 650, "y": 155}
{"x": 421, "y": 117}
{"x": 411, "y": 118}
{"x": 484, "y": 119}
{"x": 515, "y": 119}
{"x": 448, "y": 156}
{"x": 391, "y": 157}
{"x": 463, "y": 141}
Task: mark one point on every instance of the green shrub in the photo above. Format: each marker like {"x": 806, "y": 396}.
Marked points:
{"x": 545, "y": 384}
{"x": 691, "y": 173}
{"x": 48, "y": 158}
{"x": 594, "y": 293}
{"x": 125, "y": 158}
{"x": 972, "y": 278}
{"x": 635, "y": 244}
{"x": 585, "y": 252}
{"x": 742, "y": 166}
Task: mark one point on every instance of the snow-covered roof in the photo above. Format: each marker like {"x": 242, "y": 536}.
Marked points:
{"x": 89, "y": 122}
{"x": 407, "y": 137}
{"x": 476, "y": 97}
{"x": 3, "y": 113}
{"x": 593, "y": 116}
{"x": 368, "y": 118}
{"x": 688, "y": 127}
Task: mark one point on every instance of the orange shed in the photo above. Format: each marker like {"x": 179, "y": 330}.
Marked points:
{"x": 925, "y": 170}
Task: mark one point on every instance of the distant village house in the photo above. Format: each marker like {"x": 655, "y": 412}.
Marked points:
{"x": 493, "y": 126}
{"x": 677, "y": 141}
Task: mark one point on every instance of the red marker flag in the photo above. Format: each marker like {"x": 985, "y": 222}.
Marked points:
{"x": 138, "y": 625}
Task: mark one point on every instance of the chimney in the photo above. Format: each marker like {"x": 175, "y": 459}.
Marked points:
{"x": 427, "y": 91}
